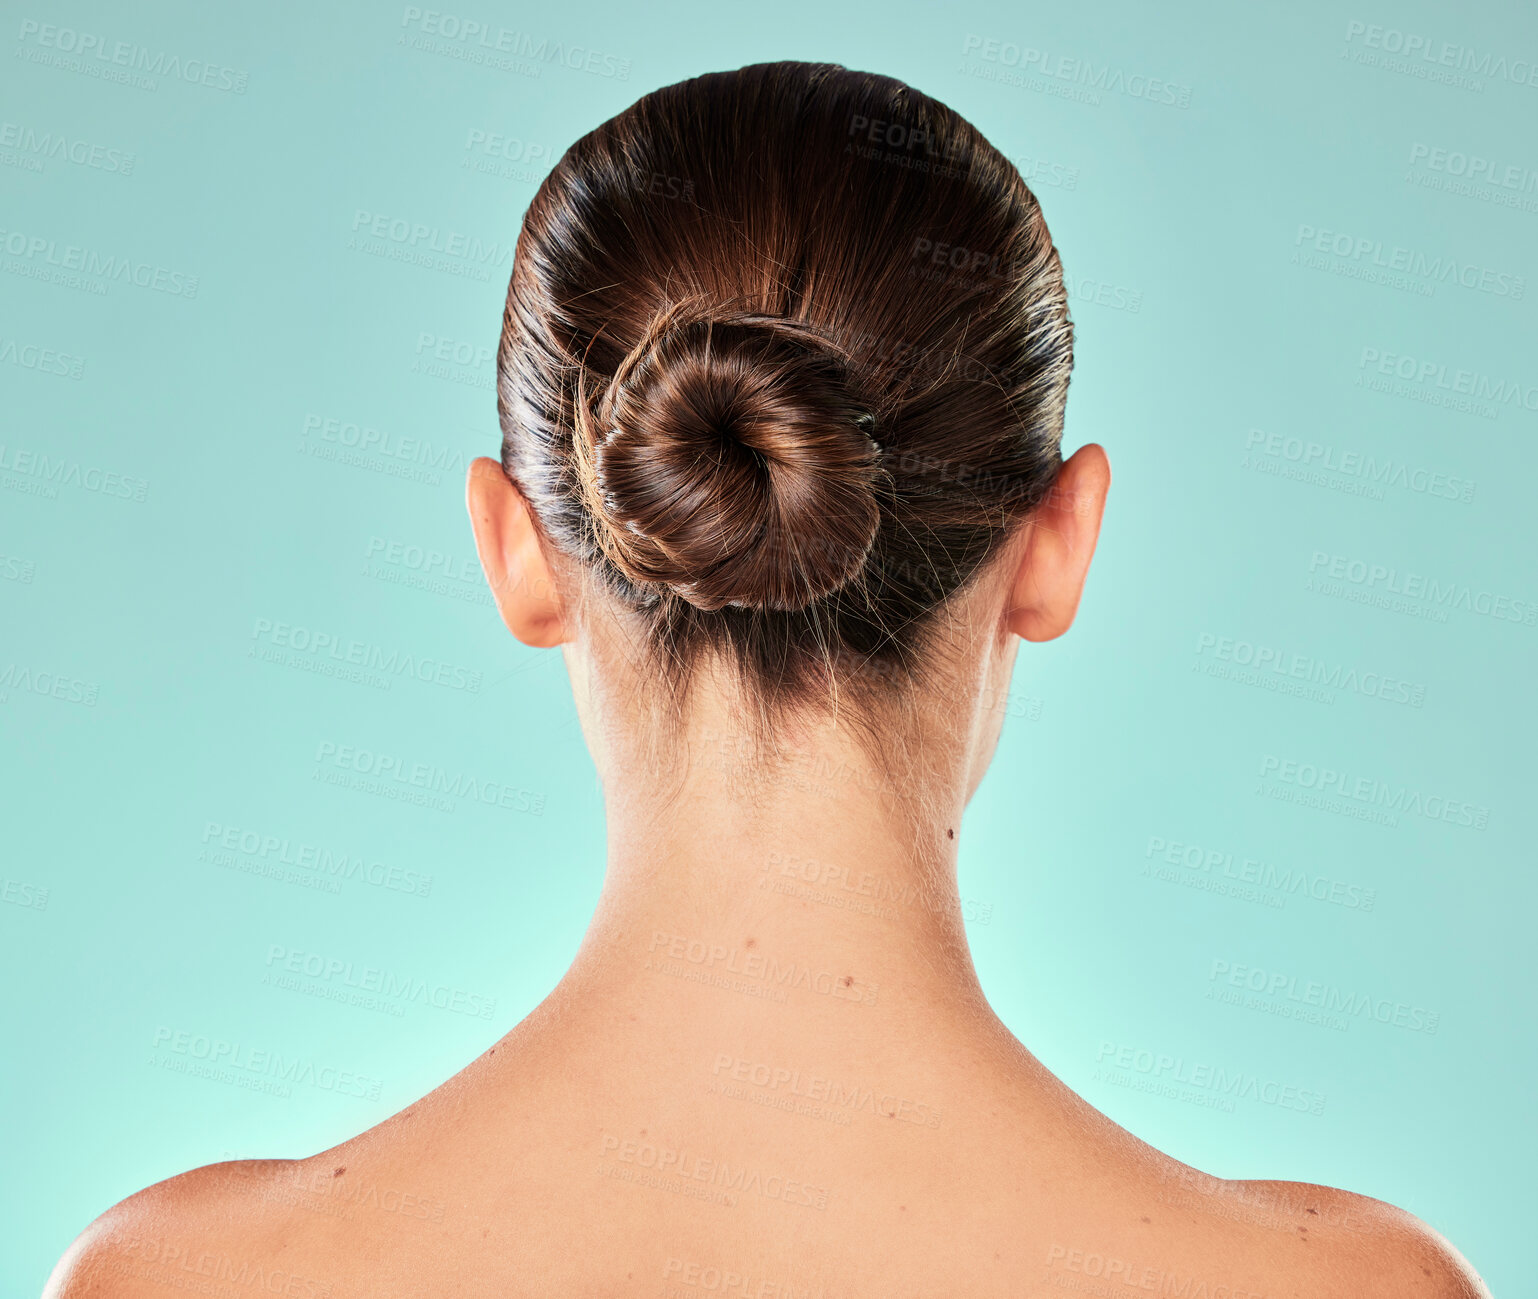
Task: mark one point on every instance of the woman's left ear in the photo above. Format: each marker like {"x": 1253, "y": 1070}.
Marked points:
{"x": 513, "y": 558}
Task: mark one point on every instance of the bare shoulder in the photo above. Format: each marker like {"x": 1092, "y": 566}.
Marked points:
{"x": 291, "y": 1227}
{"x": 183, "y": 1231}
{"x": 1311, "y": 1240}
{"x": 1355, "y": 1245}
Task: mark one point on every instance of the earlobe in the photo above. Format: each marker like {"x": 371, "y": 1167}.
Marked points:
{"x": 1049, "y": 580}
{"x": 512, "y": 557}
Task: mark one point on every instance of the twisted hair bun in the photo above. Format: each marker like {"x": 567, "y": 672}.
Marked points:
{"x": 731, "y": 464}
{"x": 709, "y": 292}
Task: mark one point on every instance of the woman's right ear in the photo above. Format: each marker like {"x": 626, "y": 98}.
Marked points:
{"x": 1066, "y": 525}
{"x": 513, "y": 558}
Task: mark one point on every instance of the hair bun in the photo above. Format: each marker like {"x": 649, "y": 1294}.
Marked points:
{"x": 732, "y": 464}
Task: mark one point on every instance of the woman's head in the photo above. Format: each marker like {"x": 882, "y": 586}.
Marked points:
{"x": 782, "y": 369}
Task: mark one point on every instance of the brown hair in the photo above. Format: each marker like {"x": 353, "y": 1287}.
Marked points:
{"x": 783, "y": 362}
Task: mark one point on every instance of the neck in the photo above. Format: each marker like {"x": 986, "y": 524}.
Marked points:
{"x": 807, "y": 903}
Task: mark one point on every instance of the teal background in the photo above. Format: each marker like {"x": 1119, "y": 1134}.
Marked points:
{"x": 1192, "y": 214}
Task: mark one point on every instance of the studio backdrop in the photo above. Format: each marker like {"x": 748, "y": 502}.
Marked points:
{"x": 1253, "y": 869}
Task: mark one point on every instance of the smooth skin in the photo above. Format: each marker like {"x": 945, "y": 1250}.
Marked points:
{"x": 754, "y": 1080}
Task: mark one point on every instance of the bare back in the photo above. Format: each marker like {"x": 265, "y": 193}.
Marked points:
{"x": 553, "y": 1170}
